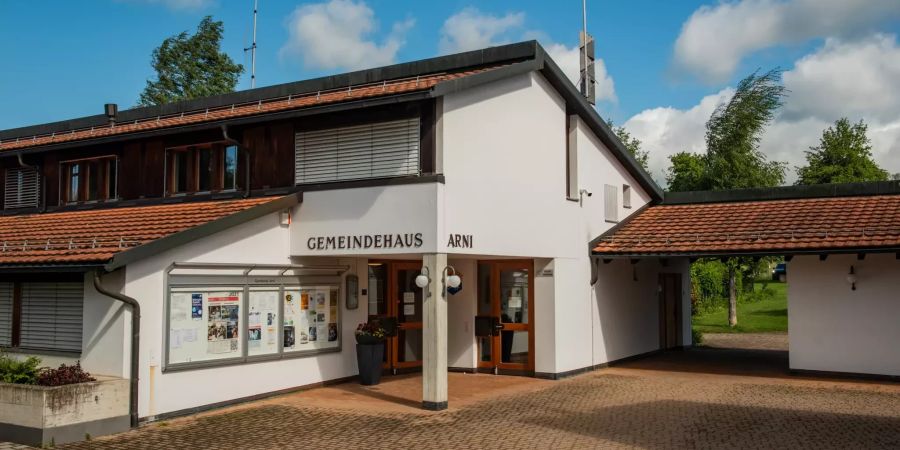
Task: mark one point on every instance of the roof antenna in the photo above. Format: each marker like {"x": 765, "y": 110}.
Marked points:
{"x": 252, "y": 48}
{"x": 586, "y": 49}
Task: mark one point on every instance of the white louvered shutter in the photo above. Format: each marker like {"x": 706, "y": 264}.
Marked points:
{"x": 6, "y": 307}
{"x": 377, "y": 150}
{"x": 610, "y": 203}
{"x": 52, "y": 316}
{"x": 22, "y": 188}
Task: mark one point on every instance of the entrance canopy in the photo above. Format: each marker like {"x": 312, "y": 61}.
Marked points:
{"x": 840, "y": 218}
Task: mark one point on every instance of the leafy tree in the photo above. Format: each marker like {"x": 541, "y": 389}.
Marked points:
{"x": 631, "y": 143}
{"x": 191, "y": 66}
{"x": 686, "y": 172}
{"x": 844, "y": 155}
{"x": 733, "y": 159}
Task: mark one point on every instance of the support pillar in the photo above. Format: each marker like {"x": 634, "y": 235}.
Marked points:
{"x": 434, "y": 335}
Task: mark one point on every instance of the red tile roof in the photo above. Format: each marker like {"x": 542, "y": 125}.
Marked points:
{"x": 299, "y": 101}
{"x": 94, "y": 236}
{"x": 774, "y": 226}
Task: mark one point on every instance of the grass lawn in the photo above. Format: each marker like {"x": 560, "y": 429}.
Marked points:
{"x": 768, "y": 315}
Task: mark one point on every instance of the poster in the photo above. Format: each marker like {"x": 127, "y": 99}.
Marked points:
{"x": 409, "y": 297}
{"x": 204, "y": 325}
{"x": 223, "y": 319}
{"x": 262, "y": 312}
{"x": 409, "y": 310}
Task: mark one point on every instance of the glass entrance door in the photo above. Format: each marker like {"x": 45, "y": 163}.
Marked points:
{"x": 506, "y": 293}
{"x": 393, "y": 294}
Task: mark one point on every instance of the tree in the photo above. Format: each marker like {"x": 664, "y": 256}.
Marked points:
{"x": 844, "y": 155}
{"x": 733, "y": 159}
{"x": 191, "y": 66}
{"x": 631, "y": 143}
{"x": 686, "y": 172}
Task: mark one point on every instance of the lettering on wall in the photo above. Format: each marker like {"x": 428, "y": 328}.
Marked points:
{"x": 364, "y": 241}
{"x": 460, "y": 241}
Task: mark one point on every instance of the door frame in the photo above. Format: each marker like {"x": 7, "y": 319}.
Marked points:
{"x": 394, "y": 311}
{"x": 496, "y": 362}
{"x": 676, "y": 305}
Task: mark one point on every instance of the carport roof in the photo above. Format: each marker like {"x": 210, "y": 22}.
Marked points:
{"x": 849, "y": 218}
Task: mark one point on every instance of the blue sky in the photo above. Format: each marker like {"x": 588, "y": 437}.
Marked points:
{"x": 667, "y": 63}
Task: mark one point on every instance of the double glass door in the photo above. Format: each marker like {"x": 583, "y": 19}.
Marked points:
{"x": 506, "y": 295}
{"x": 393, "y": 294}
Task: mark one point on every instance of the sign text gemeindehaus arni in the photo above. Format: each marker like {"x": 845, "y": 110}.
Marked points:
{"x": 362, "y": 241}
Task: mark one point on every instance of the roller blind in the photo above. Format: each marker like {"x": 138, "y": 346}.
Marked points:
{"x": 377, "y": 150}
{"x": 21, "y": 188}
{"x": 6, "y": 307}
{"x": 52, "y": 316}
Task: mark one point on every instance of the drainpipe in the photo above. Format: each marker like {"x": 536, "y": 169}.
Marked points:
{"x": 43, "y": 181}
{"x": 135, "y": 343}
{"x": 247, "y": 153}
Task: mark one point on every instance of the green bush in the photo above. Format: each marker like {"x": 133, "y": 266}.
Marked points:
{"x": 17, "y": 371}
{"x": 696, "y": 336}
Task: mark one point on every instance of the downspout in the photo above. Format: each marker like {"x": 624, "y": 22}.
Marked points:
{"x": 43, "y": 180}
{"x": 135, "y": 343}
{"x": 247, "y": 153}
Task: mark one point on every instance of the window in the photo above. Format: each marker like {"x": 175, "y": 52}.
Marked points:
{"x": 22, "y": 188}
{"x": 611, "y": 203}
{"x": 42, "y": 315}
{"x": 626, "y": 196}
{"x": 376, "y": 150}
{"x": 89, "y": 180}
{"x": 572, "y": 157}
{"x": 201, "y": 168}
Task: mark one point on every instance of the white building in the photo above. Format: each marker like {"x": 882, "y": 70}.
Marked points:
{"x": 256, "y": 230}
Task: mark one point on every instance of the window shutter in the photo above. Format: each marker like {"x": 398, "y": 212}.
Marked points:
{"x": 377, "y": 150}
{"x": 22, "y": 188}
{"x": 52, "y": 316}
{"x": 610, "y": 203}
{"x": 6, "y": 308}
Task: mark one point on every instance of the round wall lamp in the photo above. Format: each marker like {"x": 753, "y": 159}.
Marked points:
{"x": 851, "y": 278}
{"x": 453, "y": 280}
{"x": 423, "y": 280}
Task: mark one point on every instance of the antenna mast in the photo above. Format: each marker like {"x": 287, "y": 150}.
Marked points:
{"x": 587, "y": 58}
{"x": 252, "y": 48}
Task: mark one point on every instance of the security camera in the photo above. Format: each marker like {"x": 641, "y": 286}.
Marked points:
{"x": 585, "y": 191}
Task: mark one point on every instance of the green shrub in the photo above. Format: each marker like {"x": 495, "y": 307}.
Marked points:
{"x": 696, "y": 336}
{"x": 17, "y": 371}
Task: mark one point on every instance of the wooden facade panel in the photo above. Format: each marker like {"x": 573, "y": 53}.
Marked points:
{"x": 152, "y": 169}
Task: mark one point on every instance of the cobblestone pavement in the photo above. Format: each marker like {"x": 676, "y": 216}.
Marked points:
{"x": 750, "y": 341}
{"x": 11, "y": 446}
{"x": 631, "y": 406}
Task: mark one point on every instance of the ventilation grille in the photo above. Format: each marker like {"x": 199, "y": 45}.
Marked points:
{"x": 378, "y": 150}
{"x": 21, "y": 188}
{"x": 52, "y": 316}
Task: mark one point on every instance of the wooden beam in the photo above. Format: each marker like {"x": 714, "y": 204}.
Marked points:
{"x": 607, "y": 260}
{"x": 860, "y": 256}
{"x": 635, "y": 261}
{"x": 823, "y": 256}
{"x": 788, "y": 258}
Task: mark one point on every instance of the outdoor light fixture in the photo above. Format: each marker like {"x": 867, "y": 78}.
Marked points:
{"x": 453, "y": 280}
{"x": 851, "y": 278}
{"x": 422, "y": 280}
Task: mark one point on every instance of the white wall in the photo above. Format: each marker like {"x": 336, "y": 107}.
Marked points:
{"x": 626, "y": 315}
{"x": 402, "y": 209}
{"x": 260, "y": 241}
{"x": 833, "y": 328}
{"x": 461, "y": 312}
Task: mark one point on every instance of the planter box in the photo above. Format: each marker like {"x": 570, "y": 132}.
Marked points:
{"x": 37, "y": 415}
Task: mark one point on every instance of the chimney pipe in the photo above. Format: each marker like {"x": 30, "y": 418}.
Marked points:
{"x": 111, "y": 110}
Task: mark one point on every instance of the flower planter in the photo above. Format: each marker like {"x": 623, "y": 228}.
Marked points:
{"x": 43, "y": 416}
{"x": 369, "y": 357}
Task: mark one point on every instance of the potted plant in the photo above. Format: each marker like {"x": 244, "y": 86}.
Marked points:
{"x": 370, "y": 338}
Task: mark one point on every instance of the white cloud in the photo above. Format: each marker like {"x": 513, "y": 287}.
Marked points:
{"x": 470, "y": 29}
{"x": 664, "y": 131}
{"x": 567, "y": 58}
{"x": 337, "y": 35}
{"x": 715, "y": 39}
{"x": 857, "y": 80}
